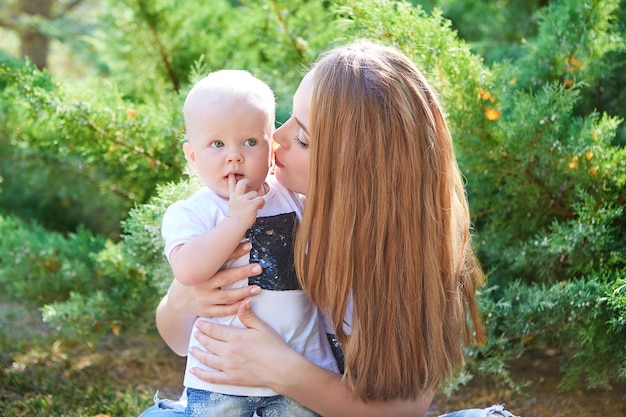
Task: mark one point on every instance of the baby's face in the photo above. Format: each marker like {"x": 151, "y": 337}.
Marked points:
{"x": 225, "y": 139}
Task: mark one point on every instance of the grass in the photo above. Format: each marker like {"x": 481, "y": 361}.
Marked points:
{"x": 44, "y": 373}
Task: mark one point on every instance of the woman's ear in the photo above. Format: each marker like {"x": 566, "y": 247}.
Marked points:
{"x": 190, "y": 155}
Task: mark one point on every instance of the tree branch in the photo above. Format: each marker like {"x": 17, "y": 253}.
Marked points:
{"x": 160, "y": 47}
{"x": 283, "y": 23}
{"x": 70, "y": 6}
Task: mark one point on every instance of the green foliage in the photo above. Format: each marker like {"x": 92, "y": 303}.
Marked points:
{"x": 495, "y": 29}
{"x": 104, "y": 145}
{"x": 129, "y": 298}
{"x": 598, "y": 357}
{"x": 586, "y": 244}
{"x": 573, "y": 38}
{"x": 445, "y": 60}
{"x": 89, "y": 286}
{"x": 585, "y": 319}
{"x": 86, "y": 146}
{"x": 512, "y": 25}
{"x": 135, "y": 269}
{"x": 541, "y": 157}
{"x": 39, "y": 266}
{"x": 160, "y": 42}
{"x": 538, "y": 161}
{"x": 546, "y": 179}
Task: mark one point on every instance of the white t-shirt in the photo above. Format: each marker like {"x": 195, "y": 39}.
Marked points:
{"x": 281, "y": 303}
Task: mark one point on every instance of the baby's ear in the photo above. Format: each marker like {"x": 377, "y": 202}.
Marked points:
{"x": 190, "y": 155}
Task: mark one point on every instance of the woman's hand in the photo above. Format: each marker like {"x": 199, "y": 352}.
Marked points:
{"x": 258, "y": 356}
{"x": 209, "y": 299}
{"x": 251, "y": 356}
{"x": 181, "y": 305}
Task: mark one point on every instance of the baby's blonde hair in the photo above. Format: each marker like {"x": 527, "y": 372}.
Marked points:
{"x": 228, "y": 86}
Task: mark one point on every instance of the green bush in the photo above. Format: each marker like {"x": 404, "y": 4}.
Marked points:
{"x": 89, "y": 151}
{"x": 584, "y": 319}
{"x": 135, "y": 269}
{"x": 584, "y": 245}
{"x": 83, "y": 156}
{"x": 39, "y": 266}
{"x": 541, "y": 167}
{"x": 510, "y": 25}
{"x": 88, "y": 285}
{"x": 162, "y": 40}
{"x": 495, "y": 30}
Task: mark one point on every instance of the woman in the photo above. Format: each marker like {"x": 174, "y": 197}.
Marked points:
{"x": 383, "y": 247}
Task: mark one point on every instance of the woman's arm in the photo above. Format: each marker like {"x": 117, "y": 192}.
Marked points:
{"x": 257, "y": 356}
{"x": 175, "y": 317}
{"x": 180, "y": 307}
{"x": 326, "y": 393}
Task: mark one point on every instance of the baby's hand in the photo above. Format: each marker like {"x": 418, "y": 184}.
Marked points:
{"x": 242, "y": 205}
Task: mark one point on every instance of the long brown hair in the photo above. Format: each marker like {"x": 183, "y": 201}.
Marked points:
{"x": 386, "y": 225}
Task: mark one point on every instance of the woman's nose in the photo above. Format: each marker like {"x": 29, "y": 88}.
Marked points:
{"x": 280, "y": 136}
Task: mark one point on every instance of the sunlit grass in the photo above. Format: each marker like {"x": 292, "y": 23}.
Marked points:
{"x": 44, "y": 373}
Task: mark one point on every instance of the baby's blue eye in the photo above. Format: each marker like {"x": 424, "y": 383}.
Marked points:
{"x": 250, "y": 142}
{"x": 217, "y": 144}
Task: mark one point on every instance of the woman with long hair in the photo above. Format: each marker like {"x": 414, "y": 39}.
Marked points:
{"x": 383, "y": 250}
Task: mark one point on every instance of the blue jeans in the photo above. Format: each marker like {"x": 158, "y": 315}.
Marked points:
{"x": 170, "y": 408}
{"x": 494, "y": 410}
{"x": 206, "y": 403}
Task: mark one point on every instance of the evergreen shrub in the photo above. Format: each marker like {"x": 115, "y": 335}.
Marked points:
{"x": 584, "y": 320}
{"x": 161, "y": 41}
{"x": 135, "y": 270}
{"x": 542, "y": 170}
{"x": 39, "y": 266}
{"x": 83, "y": 156}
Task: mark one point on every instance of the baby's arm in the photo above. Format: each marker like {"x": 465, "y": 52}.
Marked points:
{"x": 197, "y": 260}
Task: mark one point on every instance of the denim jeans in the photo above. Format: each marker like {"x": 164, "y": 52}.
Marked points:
{"x": 170, "y": 408}
{"x": 494, "y": 410}
{"x": 206, "y": 403}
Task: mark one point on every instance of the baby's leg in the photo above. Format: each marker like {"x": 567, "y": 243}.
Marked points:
{"x": 281, "y": 406}
{"x": 206, "y": 403}
{"x": 493, "y": 411}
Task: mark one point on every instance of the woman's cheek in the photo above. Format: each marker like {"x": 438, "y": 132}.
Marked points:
{"x": 301, "y": 176}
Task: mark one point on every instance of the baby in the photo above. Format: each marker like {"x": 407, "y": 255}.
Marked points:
{"x": 229, "y": 120}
